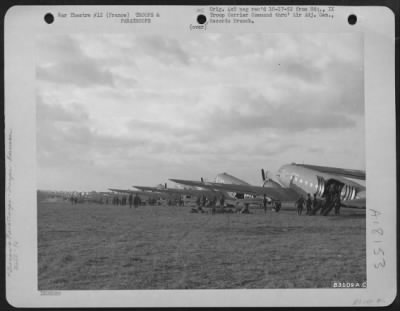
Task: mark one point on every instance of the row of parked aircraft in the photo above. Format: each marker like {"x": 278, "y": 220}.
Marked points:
{"x": 288, "y": 184}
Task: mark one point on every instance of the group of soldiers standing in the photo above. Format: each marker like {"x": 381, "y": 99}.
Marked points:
{"x": 332, "y": 201}
{"x": 74, "y": 200}
{"x": 131, "y": 200}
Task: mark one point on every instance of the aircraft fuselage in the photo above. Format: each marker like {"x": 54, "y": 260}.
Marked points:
{"x": 306, "y": 180}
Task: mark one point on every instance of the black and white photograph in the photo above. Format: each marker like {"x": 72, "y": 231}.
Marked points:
{"x": 196, "y": 157}
{"x": 216, "y": 161}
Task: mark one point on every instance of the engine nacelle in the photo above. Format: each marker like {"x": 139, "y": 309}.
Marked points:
{"x": 269, "y": 183}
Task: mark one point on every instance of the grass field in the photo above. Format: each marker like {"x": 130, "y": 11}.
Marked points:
{"x": 88, "y": 246}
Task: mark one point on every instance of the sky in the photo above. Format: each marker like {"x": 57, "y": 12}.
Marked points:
{"x": 137, "y": 109}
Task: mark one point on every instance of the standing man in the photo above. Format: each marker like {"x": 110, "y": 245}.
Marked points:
{"x": 308, "y": 204}
{"x": 222, "y": 201}
{"x": 300, "y": 205}
{"x": 314, "y": 204}
{"x": 265, "y": 204}
{"x": 278, "y": 205}
{"x": 130, "y": 200}
{"x": 337, "y": 202}
{"x": 203, "y": 201}
{"x": 136, "y": 201}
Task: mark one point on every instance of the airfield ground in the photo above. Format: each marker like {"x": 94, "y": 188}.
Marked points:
{"x": 90, "y": 246}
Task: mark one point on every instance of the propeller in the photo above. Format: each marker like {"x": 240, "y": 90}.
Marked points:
{"x": 165, "y": 186}
{"x": 263, "y": 174}
{"x": 265, "y": 178}
{"x": 202, "y": 180}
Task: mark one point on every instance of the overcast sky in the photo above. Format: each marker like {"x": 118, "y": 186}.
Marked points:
{"x": 119, "y": 110}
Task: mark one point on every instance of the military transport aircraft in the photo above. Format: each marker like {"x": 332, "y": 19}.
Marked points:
{"x": 293, "y": 180}
{"x": 180, "y": 191}
{"x": 140, "y": 193}
{"x": 202, "y": 188}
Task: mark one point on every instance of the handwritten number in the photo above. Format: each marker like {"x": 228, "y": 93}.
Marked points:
{"x": 381, "y": 264}
{"x": 379, "y": 251}
{"x": 379, "y": 231}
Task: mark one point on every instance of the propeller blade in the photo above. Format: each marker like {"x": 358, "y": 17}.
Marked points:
{"x": 263, "y": 174}
{"x": 202, "y": 180}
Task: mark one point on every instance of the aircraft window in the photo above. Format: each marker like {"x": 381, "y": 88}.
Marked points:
{"x": 311, "y": 184}
{"x": 306, "y": 182}
{"x": 316, "y": 186}
{"x": 301, "y": 181}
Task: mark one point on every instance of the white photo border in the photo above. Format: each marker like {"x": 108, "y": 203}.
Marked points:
{"x": 23, "y": 23}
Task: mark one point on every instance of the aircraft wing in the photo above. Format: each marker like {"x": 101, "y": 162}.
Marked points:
{"x": 125, "y": 191}
{"x": 348, "y": 173}
{"x": 152, "y": 189}
{"x": 193, "y": 183}
{"x": 282, "y": 194}
{"x": 128, "y": 191}
{"x": 194, "y": 192}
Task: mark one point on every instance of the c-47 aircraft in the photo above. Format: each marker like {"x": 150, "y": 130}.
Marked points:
{"x": 139, "y": 193}
{"x": 202, "y": 188}
{"x": 178, "y": 191}
{"x": 293, "y": 180}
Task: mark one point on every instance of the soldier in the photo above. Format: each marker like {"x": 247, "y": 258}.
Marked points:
{"x": 130, "y": 200}
{"x": 136, "y": 201}
{"x": 265, "y": 203}
{"x": 222, "y": 201}
{"x": 308, "y": 204}
{"x": 315, "y": 203}
{"x": 337, "y": 203}
{"x": 204, "y": 200}
{"x": 278, "y": 205}
{"x": 300, "y": 205}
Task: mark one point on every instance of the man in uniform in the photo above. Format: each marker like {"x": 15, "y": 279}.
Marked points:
{"x": 278, "y": 205}
{"x": 265, "y": 203}
{"x": 222, "y": 201}
{"x": 203, "y": 201}
{"x": 130, "y": 200}
{"x": 308, "y": 204}
{"x": 337, "y": 203}
{"x": 314, "y": 204}
{"x": 300, "y": 205}
{"x": 136, "y": 201}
